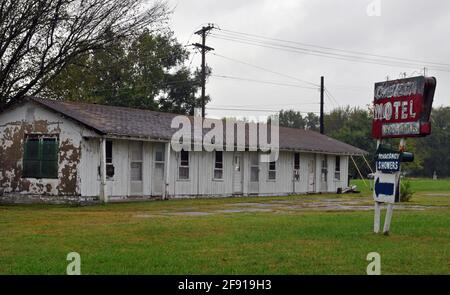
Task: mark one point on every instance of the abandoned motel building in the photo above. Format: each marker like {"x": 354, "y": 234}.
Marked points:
{"x": 53, "y": 151}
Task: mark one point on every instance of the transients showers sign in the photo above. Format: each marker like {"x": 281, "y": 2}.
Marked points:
{"x": 402, "y": 107}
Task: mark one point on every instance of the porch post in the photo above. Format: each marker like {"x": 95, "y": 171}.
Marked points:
{"x": 103, "y": 191}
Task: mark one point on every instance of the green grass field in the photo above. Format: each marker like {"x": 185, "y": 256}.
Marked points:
{"x": 160, "y": 238}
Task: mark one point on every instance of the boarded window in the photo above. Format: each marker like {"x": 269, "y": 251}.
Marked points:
{"x": 337, "y": 170}
{"x": 40, "y": 159}
{"x": 218, "y": 165}
{"x": 272, "y": 170}
{"x": 183, "y": 168}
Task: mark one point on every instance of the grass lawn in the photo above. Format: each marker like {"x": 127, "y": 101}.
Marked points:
{"x": 157, "y": 238}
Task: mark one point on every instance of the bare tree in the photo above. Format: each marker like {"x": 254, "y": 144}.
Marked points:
{"x": 38, "y": 38}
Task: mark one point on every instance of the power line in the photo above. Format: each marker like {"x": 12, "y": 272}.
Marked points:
{"x": 264, "y": 69}
{"x": 253, "y": 110}
{"x": 336, "y": 49}
{"x": 331, "y": 96}
{"x": 299, "y": 50}
{"x": 262, "y": 81}
{"x": 268, "y": 105}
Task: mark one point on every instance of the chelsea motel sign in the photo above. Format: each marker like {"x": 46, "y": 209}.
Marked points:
{"x": 402, "y": 107}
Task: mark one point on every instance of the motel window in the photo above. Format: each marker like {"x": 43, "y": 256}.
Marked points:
{"x": 218, "y": 165}
{"x": 337, "y": 170}
{"x": 40, "y": 158}
{"x": 272, "y": 170}
{"x": 297, "y": 166}
{"x": 183, "y": 168}
{"x": 159, "y": 153}
{"x": 109, "y": 159}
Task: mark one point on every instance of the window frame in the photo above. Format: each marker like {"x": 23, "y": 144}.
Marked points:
{"x": 181, "y": 166}
{"x": 40, "y": 159}
{"x": 337, "y": 168}
{"x": 296, "y": 167}
{"x": 216, "y": 164}
{"x": 272, "y": 171}
{"x": 110, "y": 170}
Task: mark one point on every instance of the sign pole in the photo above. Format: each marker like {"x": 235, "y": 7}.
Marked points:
{"x": 402, "y": 109}
{"x": 377, "y": 207}
{"x": 376, "y": 223}
{"x": 388, "y": 218}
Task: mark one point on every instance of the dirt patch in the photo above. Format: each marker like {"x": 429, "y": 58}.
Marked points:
{"x": 438, "y": 195}
{"x": 288, "y": 206}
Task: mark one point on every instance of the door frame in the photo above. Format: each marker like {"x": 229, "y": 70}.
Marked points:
{"x": 250, "y": 182}
{"x": 311, "y": 164}
{"x": 154, "y": 163}
{"x": 238, "y": 154}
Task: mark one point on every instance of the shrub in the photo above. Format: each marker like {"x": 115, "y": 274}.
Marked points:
{"x": 406, "y": 191}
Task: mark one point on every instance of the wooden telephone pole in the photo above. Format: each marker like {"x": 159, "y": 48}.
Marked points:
{"x": 322, "y": 90}
{"x": 203, "y": 32}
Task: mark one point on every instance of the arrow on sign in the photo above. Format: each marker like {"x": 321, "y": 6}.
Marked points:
{"x": 383, "y": 188}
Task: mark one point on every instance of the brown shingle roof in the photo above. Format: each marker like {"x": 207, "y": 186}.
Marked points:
{"x": 131, "y": 122}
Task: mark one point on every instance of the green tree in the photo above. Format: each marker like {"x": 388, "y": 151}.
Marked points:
{"x": 147, "y": 71}
{"x": 434, "y": 149}
{"x": 291, "y": 118}
{"x": 312, "y": 122}
{"x": 39, "y": 39}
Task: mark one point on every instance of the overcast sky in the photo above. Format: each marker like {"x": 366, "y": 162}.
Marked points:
{"x": 412, "y": 29}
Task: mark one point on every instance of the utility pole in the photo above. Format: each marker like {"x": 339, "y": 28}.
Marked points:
{"x": 322, "y": 90}
{"x": 203, "y": 32}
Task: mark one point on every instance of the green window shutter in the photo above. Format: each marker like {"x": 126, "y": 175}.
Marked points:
{"x": 31, "y": 161}
{"x": 49, "y": 158}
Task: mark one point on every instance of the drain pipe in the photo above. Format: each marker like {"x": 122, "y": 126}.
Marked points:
{"x": 103, "y": 189}
{"x": 166, "y": 172}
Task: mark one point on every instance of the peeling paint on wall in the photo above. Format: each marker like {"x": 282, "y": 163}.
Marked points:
{"x": 69, "y": 158}
{"x": 11, "y": 156}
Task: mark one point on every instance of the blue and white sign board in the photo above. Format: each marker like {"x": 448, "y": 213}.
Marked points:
{"x": 388, "y": 162}
{"x": 385, "y": 187}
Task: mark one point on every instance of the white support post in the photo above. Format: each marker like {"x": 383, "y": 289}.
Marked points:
{"x": 103, "y": 190}
{"x": 388, "y": 218}
{"x": 167, "y": 172}
{"x": 377, "y": 218}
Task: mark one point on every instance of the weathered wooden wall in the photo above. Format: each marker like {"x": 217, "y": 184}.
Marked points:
{"x": 29, "y": 118}
{"x": 79, "y": 159}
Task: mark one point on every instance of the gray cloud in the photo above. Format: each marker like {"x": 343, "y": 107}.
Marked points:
{"x": 412, "y": 29}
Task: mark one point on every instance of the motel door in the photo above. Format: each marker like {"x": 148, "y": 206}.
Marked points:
{"x": 311, "y": 175}
{"x": 158, "y": 170}
{"x": 254, "y": 173}
{"x": 136, "y": 159}
{"x": 237, "y": 174}
{"x": 324, "y": 174}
